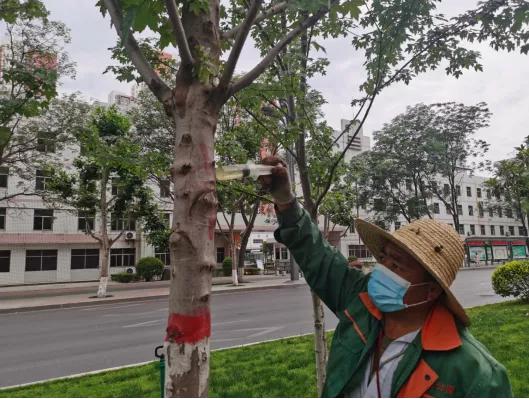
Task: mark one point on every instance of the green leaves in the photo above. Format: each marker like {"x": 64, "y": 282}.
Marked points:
{"x": 12, "y": 10}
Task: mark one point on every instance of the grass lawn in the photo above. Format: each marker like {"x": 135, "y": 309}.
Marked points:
{"x": 285, "y": 368}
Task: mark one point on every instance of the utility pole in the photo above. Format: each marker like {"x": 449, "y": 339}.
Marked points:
{"x": 294, "y": 268}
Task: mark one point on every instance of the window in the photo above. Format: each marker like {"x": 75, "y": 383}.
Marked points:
{"x": 257, "y": 241}
{"x": 469, "y": 191}
{"x": 45, "y": 142}
{"x": 281, "y": 253}
{"x": 85, "y": 259}
{"x": 167, "y": 219}
{"x": 472, "y": 229}
{"x": 41, "y": 260}
{"x": 4, "y": 172}
{"x": 491, "y": 211}
{"x": 360, "y": 251}
{"x": 220, "y": 254}
{"x": 448, "y": 209}
{"x": 118, "y": 223}
{"x": 446, "y": 190}
{"x": 436, "y": 208}
{"x": 488, "y": 194}
{"x": 115, "y": 186}
{"x": 165, "y": 188}
{"x": 492, "y": 230}
{"x": 122, "y": 257}
{"x": 163, "y": 255}
{"x": 480, "y": 209}
{"x": 470, "y": 210}
{"x": 500, "y": 212}
{"x": 508, "y": 212}
{"x": 43, "y": 219}
{"x": 461, "y": 229}
{"x": 478, "y": 192}
{"x": 85, "y": 221}
{"x": 2, "y": 218}
{"x": 5, "y": 258}
{"x": 408, "y": 185}
{"x": 458, "y": 191}
{"x": 511, "y": 230}
{"x": 397, "y": 226}
{"x": 482, "y": 228}
{"x": 42, "y": 178}
{"x": 433, "y": 186}
{"x": 459, "y": 209}
{"x": 502, "y": 230}
{"x": 522, "y": 231}
{"x": 497, "y": 194}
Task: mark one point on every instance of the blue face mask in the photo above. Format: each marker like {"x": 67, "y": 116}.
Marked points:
{"x": 387, "y": 289}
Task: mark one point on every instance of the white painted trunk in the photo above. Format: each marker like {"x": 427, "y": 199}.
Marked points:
{"x": 234, "y": 277}
{"x": 187, "y": 361}
{"x": 102, "y": 289}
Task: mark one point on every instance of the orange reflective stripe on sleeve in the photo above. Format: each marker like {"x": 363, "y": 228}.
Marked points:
{"x": 370, "y": 306}
{"x": 356, "y": 327}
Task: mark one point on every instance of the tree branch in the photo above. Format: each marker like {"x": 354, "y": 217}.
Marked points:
{"x": 149, "y": 76}
{"x": 240, "y": 39}
{"x": 247, "y": 79}
{"x": 275, "y": 9}
{"x": 180, "y": 35}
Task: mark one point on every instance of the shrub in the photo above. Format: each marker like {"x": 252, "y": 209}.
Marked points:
{"x": 352, "y": 258}
{"x": 123, "y": 277}
{"x": 227, "y": 264}
{"x": 149, "y": 267}
{"x": 512, "y": 279}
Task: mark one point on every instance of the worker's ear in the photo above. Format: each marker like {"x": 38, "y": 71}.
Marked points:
{"x": 434, "y": 291}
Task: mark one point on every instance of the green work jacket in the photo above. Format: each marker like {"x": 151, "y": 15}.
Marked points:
{"x": 444, "y": 360}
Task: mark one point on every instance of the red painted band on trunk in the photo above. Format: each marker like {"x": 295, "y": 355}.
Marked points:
{"x": 188, "y": 329}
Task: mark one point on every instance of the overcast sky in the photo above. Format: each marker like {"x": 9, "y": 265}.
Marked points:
{"x": 503, "y": 84}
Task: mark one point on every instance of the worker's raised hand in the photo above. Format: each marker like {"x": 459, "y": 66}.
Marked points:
{"x": 278, "y": 183}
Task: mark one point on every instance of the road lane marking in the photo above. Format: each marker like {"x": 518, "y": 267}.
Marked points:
{"x": 145, "y": 323}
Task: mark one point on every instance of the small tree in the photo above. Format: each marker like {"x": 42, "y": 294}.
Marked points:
{"x": 108, "y": 181}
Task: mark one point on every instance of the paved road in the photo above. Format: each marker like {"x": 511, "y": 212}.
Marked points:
{"x": 53, "y": 343}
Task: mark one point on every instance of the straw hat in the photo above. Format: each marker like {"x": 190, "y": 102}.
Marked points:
{"x": 436, "y": 246}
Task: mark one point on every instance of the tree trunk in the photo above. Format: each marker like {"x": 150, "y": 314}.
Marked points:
{"x": 234, "y": 261}
{"x": 192, "y": 246}
{"x": 103, "y": 275}
{"x": 245, "y": 236}
{"x": 103, "y": 237}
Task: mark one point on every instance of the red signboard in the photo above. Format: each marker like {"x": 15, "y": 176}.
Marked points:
{"x": 518, "y": 242}
{"x": 500, "y": 243}
{"x": 475, "y": 243}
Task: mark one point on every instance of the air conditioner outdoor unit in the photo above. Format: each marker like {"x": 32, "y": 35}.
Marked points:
{"x": 130, "y": 235}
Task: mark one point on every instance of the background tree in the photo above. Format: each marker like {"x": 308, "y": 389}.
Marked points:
{"x": 109, "y": 182}
{"x": 41, "y": 140}
{"x": 453, "y": 150}
{"x": 511, "y": 179}
{"x": 34, "y": 60}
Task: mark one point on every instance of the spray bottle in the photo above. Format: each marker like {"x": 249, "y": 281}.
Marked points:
{"x": 232, "y": 172}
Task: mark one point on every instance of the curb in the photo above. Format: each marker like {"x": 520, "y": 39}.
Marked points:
{"x": 68, "y": 377}
{"x": 136, "y": 299}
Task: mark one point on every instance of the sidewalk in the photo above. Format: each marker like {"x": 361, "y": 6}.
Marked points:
{"x": 65, "y": 295}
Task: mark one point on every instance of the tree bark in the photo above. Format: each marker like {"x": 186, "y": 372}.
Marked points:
{"x": 191, "y": 243}
{"x": 104, "y": 240}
